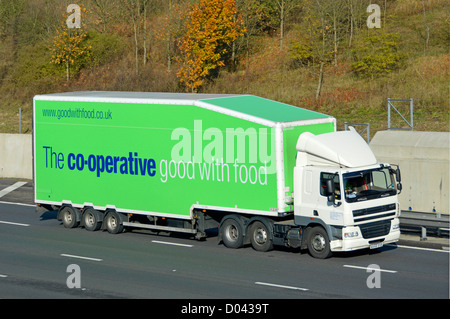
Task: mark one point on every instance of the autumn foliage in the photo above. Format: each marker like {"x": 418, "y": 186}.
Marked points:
{"x": 212, "y": 27}
{"x": 68, "y": 45}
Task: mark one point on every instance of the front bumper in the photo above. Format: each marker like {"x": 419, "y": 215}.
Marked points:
{"x": 357, "y": 241}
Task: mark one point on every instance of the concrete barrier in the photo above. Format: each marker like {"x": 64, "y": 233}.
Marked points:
{"x": 16, "y": 160}
{"x": 424, "y": 159}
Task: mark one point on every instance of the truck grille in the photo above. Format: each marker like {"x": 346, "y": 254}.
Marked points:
{"x": 375, "y": 229}
{"x": 366, "y": 214}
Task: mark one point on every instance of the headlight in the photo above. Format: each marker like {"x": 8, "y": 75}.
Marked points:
{"x": 351, "y": 234}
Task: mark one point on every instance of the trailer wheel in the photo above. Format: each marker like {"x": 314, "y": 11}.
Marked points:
{"x": 318, "y": 243}
{"x": 113, "y": 222}
{"x": 232, "y": 233}
{"x": 260, "y": 237}
{"x": 92, "y": 219}
{"x": 69, "y": 217}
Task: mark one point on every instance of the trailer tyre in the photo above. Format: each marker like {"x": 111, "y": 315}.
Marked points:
{"x": 232, "y": 233}
{"x": 113, "y": 222}
{"x": 260, "y": 237}
{"x": 69, "y": 217}
{"x": 318, "y": 243}
{"x": 92, "y": 219}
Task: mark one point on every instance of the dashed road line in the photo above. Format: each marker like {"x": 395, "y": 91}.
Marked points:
{"x": 371, "y": 269}
{"x": 280, "y": 286}
{"x": 12, "y": 223}
{"x": 81, "y": 257}
{"x": 443, "y": 250}
{"x": 169, "y": 243}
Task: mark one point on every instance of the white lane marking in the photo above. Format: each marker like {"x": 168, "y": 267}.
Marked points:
{"x": 279, "y": 286}
{"x": 81, "y": 257}
{"x": 9, "y": 189}
{"x": 169, "y": 243}
{"x": 443, "y": 250}
{"x": 20, "y": 204}
{"x": 16, "y": 224}
{"x": 367, "y": 268}
{"x": 3, "y": 276}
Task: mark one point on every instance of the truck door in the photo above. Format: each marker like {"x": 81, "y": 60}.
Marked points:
{"x": 308, "y": 199}
{"x": 326, "y": 210}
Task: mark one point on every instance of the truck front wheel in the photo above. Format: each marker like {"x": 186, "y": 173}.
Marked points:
{"x": 318, "y": 243}
{"x": 232, "y": 233}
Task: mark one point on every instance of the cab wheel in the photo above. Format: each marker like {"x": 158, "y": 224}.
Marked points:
{"x": 319, "y": 243}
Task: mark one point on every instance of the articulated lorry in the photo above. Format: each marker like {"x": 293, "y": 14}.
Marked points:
{"x": 261, "y": 172}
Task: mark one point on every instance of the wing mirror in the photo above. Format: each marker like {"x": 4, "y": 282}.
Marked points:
{"x": 398, "y": 177}
{"x": 330, "y": 190}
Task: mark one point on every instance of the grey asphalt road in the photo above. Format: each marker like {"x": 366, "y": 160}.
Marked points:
{"x": 36, "y": 254}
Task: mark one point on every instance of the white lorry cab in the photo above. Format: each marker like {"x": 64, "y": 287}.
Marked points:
{"x": 339, "y": 187}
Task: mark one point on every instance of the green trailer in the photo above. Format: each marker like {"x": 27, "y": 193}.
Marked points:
{"x": 171, "y": 161}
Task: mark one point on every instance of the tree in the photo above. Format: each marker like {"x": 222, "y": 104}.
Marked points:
{"x": 68, "y": 46}
{"x": 212, "y": 27}
{"x": 272, "y": 14}
{"x": 171, "y": 27}
{"x": 283, "y": 9}
{"x": 137, "y": 12}
{"x": 316, "y": 46}
{"x": 377, "y": 55}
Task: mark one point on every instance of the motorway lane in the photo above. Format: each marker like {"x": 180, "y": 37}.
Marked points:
{"x": 139, "y": 265}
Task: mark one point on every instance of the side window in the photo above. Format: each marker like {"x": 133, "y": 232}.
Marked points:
{"x": 323, "y": 184}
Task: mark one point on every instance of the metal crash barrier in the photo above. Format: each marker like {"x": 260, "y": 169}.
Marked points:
{"x": 425, "y": 221}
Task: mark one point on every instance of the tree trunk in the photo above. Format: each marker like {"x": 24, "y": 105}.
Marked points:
{"x": 67, "y": 70}
{"x": 136, "y": 46}
{"x": 335, "y": 36}
{"x": 281, "y": 24}
{"x": 351, "y": 23}
{"x": 319, "y": 86}
{"x": 144, "y": 61}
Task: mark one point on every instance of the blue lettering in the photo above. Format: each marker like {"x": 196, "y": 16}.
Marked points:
{"x": 142, "y": 166}
{"x": 91, "y": 163}
{"x": 151, "y": 167}
{"x": 100, "y": 164}
{"x": 69, "y": 161}
{"x": 80, "y": 162}
{"x": 109, "y": 165}
{"x": 124, "y": 165}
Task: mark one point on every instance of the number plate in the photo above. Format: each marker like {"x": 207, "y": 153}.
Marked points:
{"x": 376, "y": 245}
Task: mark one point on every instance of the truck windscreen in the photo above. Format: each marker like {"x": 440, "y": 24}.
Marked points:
{"x": 369, "y": 184}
